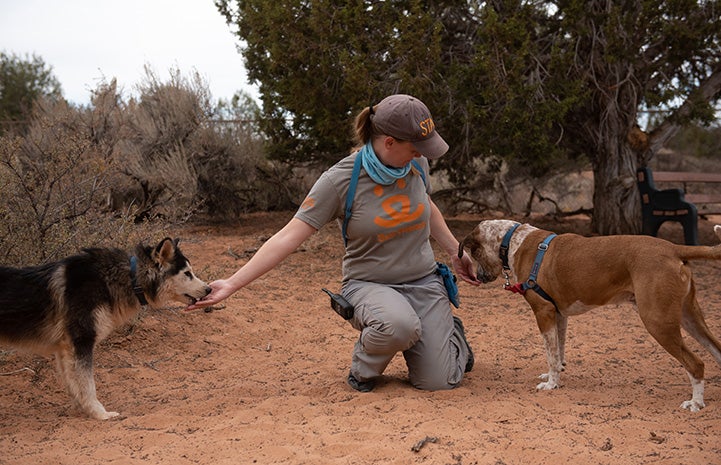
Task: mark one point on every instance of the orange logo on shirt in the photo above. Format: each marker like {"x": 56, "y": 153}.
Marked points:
{"x": 397, "y": 212}
{"x": 398, "y": 208}
{"x": 309, "y": 202}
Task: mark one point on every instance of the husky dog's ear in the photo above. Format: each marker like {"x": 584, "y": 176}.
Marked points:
{"x": 165, "y": 251}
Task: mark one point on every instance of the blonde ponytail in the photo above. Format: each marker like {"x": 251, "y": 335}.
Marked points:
{"x": 364, "y": 129}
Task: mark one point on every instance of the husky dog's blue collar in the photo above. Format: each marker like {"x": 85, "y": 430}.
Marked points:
{"x": 133, "y": 275}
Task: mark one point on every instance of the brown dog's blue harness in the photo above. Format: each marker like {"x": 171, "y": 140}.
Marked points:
{"x": 531, "y": 282}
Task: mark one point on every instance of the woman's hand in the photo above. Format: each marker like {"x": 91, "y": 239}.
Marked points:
{"x": 221, "y": 290}
{"x": 464, "y": 268}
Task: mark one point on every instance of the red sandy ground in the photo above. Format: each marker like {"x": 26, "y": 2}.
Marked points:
{"x": 262, "y": 380}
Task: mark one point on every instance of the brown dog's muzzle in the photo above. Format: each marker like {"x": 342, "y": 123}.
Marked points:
{"x": 484, "y": 276}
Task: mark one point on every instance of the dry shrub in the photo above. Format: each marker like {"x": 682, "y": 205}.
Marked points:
{"x": 234, "y": 177}
{"x": 156, "y": 151}
{"x": 82, "y": 177}
{"x": 53, "y": 183}
{"x": 182, "y": 160}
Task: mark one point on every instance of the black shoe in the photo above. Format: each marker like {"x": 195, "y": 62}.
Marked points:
{"x": 459, "y": 327}
{"x": 361, "y": 386}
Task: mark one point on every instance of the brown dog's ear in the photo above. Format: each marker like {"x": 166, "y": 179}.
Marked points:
{"x": 165, "y": 251}
{"x": 469, "y": 243}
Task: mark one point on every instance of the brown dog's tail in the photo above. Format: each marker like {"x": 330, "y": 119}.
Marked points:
{"x": 695, "y": 252}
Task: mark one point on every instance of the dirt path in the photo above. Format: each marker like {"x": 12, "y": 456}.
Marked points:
{"x": 263, "y": 381}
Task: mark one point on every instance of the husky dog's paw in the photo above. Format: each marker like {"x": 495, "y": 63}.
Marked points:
{"x": 549, "y": 383}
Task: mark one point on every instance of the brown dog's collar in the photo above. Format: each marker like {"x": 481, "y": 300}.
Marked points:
{"x": 505, "y": 245}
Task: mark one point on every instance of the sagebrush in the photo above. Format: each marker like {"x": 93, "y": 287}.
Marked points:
{"x": 118, "y": 171}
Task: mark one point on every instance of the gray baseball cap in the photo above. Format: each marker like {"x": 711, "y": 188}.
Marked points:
{"x": 406, "y": 118}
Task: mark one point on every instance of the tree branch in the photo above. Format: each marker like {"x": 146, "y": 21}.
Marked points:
{"x": 707, "y": 91}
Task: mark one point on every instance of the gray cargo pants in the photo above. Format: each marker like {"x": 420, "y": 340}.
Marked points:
{"x": 414, "y": 318}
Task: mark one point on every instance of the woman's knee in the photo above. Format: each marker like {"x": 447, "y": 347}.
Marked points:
{"x": 438, "y": 379}
{"x": 434, "y": 384}
{"x": 395, "y": 333}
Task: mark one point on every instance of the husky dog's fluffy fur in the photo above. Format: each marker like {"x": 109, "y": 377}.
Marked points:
{"x": 65, "y": 308}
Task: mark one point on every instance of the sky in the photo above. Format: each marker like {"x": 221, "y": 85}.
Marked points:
{"x": 87, "y": 42}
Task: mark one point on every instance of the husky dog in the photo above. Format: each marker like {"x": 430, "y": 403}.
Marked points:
{"x": 65, "y": 308}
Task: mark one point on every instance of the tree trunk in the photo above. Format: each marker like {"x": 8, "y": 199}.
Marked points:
{"x": 616, "y": 201}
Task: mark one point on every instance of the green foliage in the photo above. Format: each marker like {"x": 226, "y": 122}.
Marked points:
{"x": 530, "y": 81}
{"x": 476, "y": 68}
{"x": 318, "y": 63}
{"x": 513, "y": 107}
{"x": 643, "y": 54}
{"x": 23, "y": 80}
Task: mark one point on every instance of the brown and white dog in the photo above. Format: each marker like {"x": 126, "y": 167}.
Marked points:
{"x": 579, "y": 273}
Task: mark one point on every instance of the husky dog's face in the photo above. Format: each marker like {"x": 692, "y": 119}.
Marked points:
{"x": 175, "y": 279}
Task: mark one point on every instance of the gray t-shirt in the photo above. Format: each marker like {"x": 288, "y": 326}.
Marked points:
{"x": 389, "y": 229}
